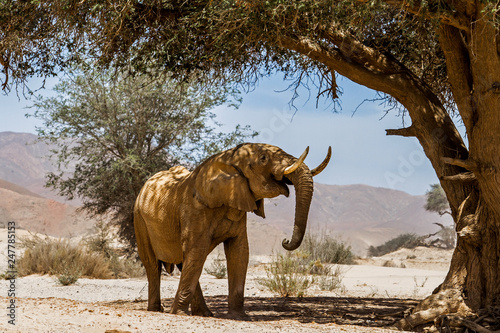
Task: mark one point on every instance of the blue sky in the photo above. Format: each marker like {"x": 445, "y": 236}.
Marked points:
{"x": 362, "y": 153}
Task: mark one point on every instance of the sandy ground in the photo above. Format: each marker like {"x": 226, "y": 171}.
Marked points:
{"x": 371, "y": 299}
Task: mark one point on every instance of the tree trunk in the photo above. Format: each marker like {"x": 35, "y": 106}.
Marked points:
{"x": 470, "y": 178}
{"x": 473, "y": 281}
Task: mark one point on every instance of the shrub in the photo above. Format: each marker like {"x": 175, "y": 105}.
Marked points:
{"x": 327, "y": 249}
{"x": 94, "y": 257}
{"x": 8, "y": 275}
{"x": 101, "y": 242}
{"x": 59, "y": 257}
{"x": 68, "y": 278}
{"x": 286, "y": 276}
{"x": 407, "y": 240}
{"x": 217, "y": 268}
{"x": 332, "y": 281}
{"x": 292, "y": 274}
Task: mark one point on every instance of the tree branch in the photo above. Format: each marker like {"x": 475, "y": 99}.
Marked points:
{"x": 432, "y": 124}
{"x": 406, "y": 131}
{"x": 458, "y": 70}
{"x": 454, "y": 320}
{"x": 466, "y": 177}
{"x": 466, "y": 164}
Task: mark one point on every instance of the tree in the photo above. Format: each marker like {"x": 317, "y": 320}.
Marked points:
{"x": 436, "y": 200}
{"x": 112, "y": 131}
{"x": 431, "y": 59}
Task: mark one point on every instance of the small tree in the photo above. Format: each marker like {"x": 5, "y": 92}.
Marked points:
{"x": 113, "y": 130}
{"x": 437, "y": 201}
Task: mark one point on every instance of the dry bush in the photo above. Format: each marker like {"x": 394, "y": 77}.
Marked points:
{"x": 327, "y": 249}
{"x": 58, "y": 257}
{"x": 293, "y": 273}
{"x": 217, "y": 268}
{"x": 101, "y": 241}
{"x": 94, "y": 257}
{"x": 286, "y": 276}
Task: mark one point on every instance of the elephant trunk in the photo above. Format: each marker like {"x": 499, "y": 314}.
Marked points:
{"x": 303, "y": 182}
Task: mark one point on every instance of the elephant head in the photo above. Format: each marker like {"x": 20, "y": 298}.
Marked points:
{"x": 243, "y": 176}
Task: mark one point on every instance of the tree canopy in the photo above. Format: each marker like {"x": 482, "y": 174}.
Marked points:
{"x": 112, "y": 131}
{"x": 431, "y": 59}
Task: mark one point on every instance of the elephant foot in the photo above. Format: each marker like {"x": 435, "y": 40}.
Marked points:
{"x": 202, "y": 312}
{"x": 180, "y": 312}
{"x": 237, "y": 315}
{"x": 155, "y": 307}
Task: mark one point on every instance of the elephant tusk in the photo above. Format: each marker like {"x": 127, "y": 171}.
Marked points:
{"x": 297, "y": 163}
{"x": 322, "y": 166}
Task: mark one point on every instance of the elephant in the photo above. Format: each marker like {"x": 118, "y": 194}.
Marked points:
{"x": 181, "y": 216}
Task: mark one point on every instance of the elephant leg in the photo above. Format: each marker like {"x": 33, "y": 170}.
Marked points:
{"x": 195, "y": 252}
{"x": 236, "y": 250}
{"x": 153, "y": 273}
{"x": 152, "y": 265}
{"x": 198, "y": 305}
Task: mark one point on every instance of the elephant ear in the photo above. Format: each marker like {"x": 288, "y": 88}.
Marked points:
{"x": 219, "y": 184}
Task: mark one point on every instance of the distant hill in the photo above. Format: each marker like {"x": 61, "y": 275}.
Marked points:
{"x": 24, "y": 161}
{"x": 35, "y": 213}
{"x": 362, "y": 215}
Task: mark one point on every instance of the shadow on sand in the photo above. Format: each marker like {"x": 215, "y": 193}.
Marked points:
{"x": 370, "y": 312}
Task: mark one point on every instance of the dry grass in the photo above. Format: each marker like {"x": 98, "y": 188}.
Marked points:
{"x": 292, "y": 274}
{"x": 59, "y": 257}
{"x": 94, "y": 257}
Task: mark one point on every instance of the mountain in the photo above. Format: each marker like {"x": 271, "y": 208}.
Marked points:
{"x": 35, "y": 213}
{"x": 24, "y": 161}
{"x": 361, "y": 215}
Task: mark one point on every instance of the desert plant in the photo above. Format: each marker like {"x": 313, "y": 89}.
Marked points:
{"x": 59, "y": 257}
{"x": 389, "y": 263}
{"x": 407, "y": 240}
{"x": 332, "y": 280}
{"x": 447, "y": 236}
{"x": 292, "y": 274}
{"x": 68, "y": 277}
{"x": 317, "y": 268}
{"x": 101, "y": 241}
{"x": 436, "y": 200}
{"x": 285, "y": 275}
{"x": 327, "y": 249}
{"x": 217, "y": 268}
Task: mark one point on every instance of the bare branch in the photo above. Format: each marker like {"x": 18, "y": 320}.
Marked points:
{"x": 466, "y": 177}
{"x": 406, "y": 131}
{"x": 458, "y": 70}
{"x": 466, "y": 164}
